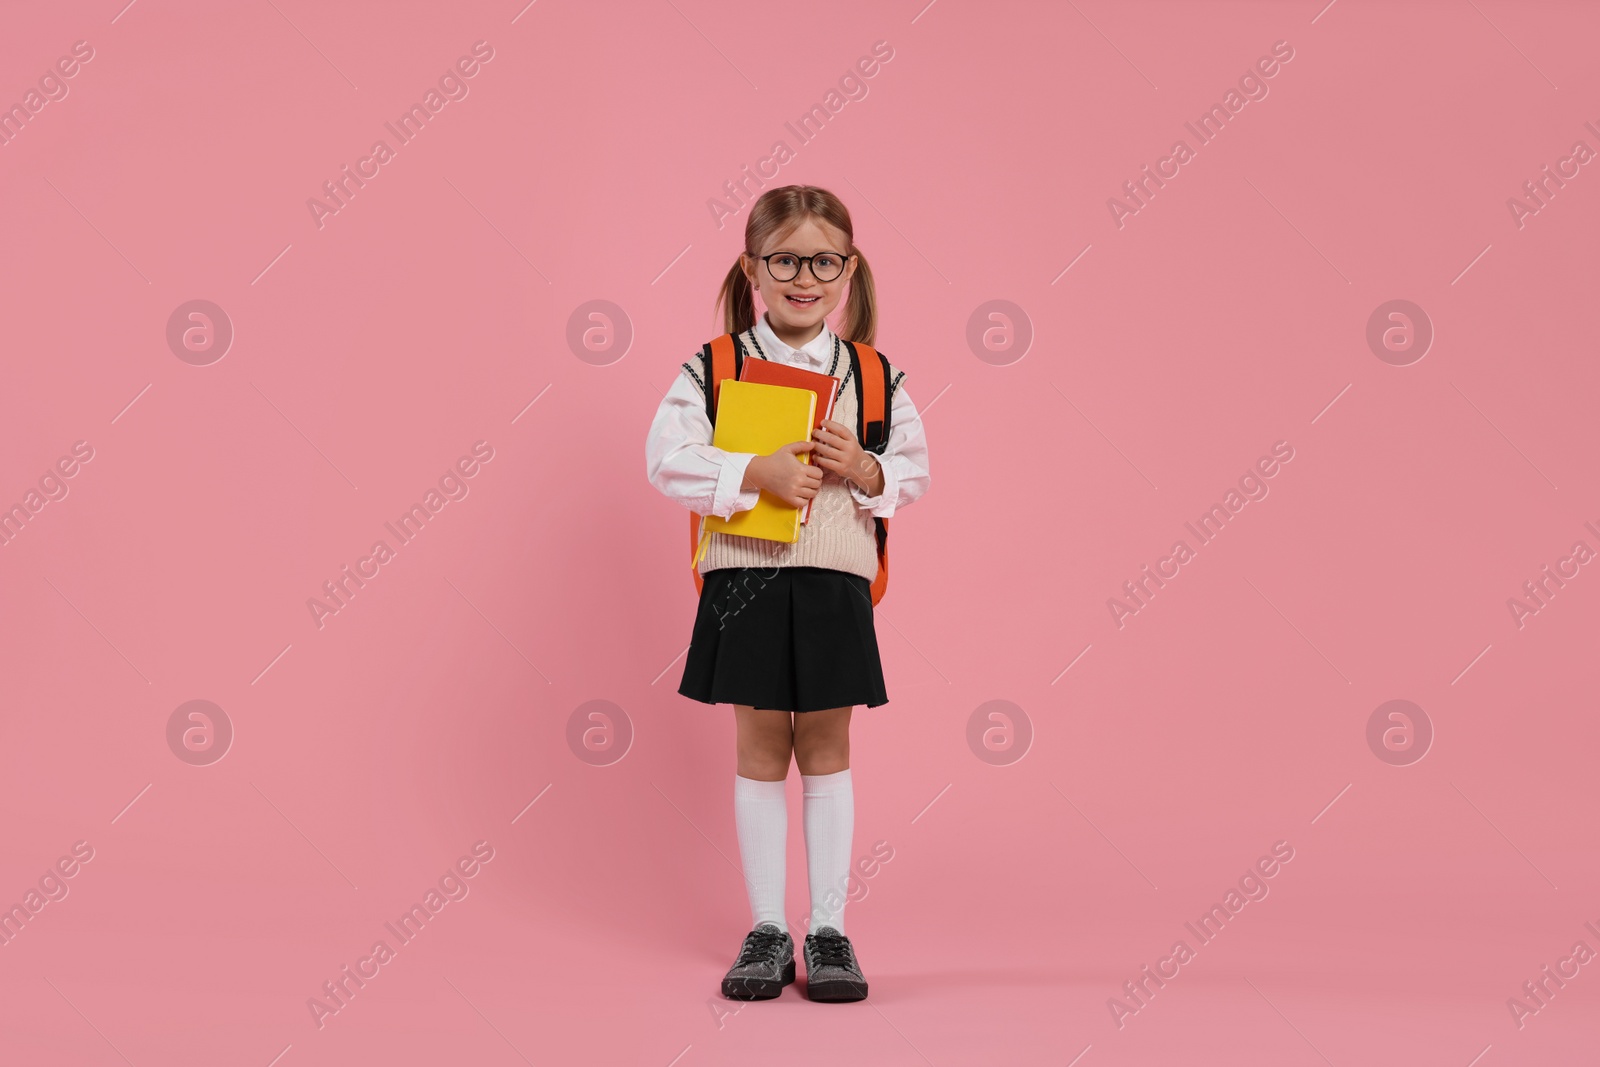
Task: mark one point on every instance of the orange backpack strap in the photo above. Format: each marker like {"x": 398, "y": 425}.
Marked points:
{"x": 724, "y": 359}
{"x": 872, "y": 399}
{"x": 872, "y": 430}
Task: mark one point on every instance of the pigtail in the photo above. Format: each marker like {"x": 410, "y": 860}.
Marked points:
{"x": 737, "y": 301}
{"x": 861, "y": 306}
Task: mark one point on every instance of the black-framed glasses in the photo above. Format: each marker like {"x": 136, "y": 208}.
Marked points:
{"x": 785, "y": 266}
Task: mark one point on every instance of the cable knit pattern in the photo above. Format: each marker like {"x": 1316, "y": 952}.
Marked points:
{"x": 840, "y": 535}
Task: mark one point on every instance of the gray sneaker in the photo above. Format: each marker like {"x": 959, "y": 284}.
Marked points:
{"x": 831, "y": 969}
{"x": 765, "y": 965}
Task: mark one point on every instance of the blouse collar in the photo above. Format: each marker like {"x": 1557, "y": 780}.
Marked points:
{"x": 817, "y": 351}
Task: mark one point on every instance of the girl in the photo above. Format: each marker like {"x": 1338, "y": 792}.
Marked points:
{"x": 784, "y": 632}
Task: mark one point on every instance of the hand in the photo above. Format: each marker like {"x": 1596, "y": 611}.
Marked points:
{"x": 782, "y": 474}
{"x": 838, "y": 451}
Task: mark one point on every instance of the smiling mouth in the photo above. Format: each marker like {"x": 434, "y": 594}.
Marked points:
{"x": 802, "y": 301}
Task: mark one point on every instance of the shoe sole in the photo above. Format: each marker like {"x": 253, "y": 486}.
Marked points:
{"x": 841, "y": 989}
{"x": 757, "y": 988}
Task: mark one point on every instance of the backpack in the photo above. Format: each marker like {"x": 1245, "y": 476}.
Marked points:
{"x": 725, "y": 358}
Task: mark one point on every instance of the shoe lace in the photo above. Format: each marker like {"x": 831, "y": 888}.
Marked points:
{"x": 831, "y": 949}
{"x": 760, "y": 944}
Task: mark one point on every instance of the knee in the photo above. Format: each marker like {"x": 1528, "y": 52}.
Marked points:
{"x": 824, "y": 763}
{"x": 765, "y": 757}
{"x": 821, "y": 755}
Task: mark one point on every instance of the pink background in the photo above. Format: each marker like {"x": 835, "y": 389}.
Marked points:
{"x": 370, "y": 354}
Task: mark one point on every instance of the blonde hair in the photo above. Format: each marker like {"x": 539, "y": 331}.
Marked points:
{"x": 779, "y": 211}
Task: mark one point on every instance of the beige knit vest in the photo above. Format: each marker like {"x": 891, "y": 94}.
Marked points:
{"x": 840, "y": 534}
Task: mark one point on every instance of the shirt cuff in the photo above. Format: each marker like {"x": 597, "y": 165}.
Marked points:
{"x": 883, "y": 504}
{"x": 729, "y": 499}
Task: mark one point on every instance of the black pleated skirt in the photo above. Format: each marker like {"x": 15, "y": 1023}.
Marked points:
{"x": 785, "y": 639}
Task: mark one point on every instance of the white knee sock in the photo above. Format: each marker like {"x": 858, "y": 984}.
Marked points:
{"x": 762, "y": 817}
{"x": 829, "y": 812}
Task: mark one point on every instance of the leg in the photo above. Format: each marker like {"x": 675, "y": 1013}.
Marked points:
{"x": 822, "y": 740}
{"x": 760, "y": 810}
{"x": 765, "y": 742}
{"x": 822, "y": 749}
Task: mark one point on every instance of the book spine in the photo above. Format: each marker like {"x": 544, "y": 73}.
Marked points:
{"x": 827, "y": 413}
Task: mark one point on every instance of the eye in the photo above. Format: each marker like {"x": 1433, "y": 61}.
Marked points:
{"x": 784, "y": 261}
{"x": 827, "y": 262}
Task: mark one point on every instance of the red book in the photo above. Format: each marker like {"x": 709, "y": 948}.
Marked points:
{"x": 826, "y": 386}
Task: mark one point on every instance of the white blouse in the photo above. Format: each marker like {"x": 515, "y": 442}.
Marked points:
{"x": 682, "y": 463}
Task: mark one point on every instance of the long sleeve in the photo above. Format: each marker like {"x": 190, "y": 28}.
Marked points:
{"x": 904, "y": 461}
{"x": 682, "y": 463}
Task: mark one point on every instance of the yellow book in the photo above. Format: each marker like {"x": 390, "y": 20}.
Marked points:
{"x": 752, "y": 417}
